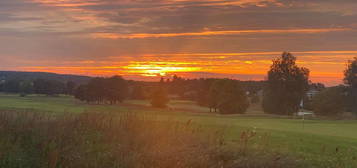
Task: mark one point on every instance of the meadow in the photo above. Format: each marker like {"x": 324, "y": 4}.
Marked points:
{"x": 318, "y": 143}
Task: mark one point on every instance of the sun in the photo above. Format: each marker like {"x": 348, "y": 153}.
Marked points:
{"x": 150, "y": 69}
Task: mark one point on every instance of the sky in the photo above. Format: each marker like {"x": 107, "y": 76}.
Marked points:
{"x": 145, "y": 39}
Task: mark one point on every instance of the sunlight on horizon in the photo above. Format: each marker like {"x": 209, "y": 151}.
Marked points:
{"x": 152, "y": 69}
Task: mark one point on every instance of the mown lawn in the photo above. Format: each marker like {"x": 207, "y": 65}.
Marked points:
{"x": 320, "y": 141}
{"x": 49, "y": 104}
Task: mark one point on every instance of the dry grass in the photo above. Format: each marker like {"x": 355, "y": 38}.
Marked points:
{"x": 98, "y": 140}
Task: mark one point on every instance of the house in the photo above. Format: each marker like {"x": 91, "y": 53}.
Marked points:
{"x": 312, "y": 93}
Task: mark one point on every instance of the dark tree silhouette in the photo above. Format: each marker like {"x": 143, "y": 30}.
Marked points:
{"x": 12, "y": 86}
{"x": 330, "y": 102}
{"x": 286, "y": 86}
{"x": 103, "y": 90}
{"x": 228, "y": 97}
{"x": 159, "y": 96}
{"x": 203, "y": 87}
{"x": 116, "y": 90}
{"x": 317, "y": 86}
{"x": 138, "y": 92}
{"x": 70, "y": 87}
{"x": 178, "y": 86}
{"x": 48, "y": 87}
{"x": 351, "y": 80}
{"x": 81, "y": 93}
{"x": 26, "y": 87}
{"x": 214, "y": 94}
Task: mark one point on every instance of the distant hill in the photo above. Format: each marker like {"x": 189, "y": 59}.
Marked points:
{"x": 9, "y": 75}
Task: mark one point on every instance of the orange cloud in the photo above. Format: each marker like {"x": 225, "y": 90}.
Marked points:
{"x": 213, "y": 33}
{"x": 67, "y": 3}
{"x": 78, "y": 3}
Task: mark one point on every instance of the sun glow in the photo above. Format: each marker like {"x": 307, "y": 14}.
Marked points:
{"x": 151, "y": 69}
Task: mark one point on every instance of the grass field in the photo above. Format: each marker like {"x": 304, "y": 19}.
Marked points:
{"x": 318, "y": 141}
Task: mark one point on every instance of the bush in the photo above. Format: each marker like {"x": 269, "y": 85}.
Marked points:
{"x": 330, "y": 102}
{"x": 159, "y": 97}
{"x": 228, "y": 97}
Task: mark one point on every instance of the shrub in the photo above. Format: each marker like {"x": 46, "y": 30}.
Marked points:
{"x": 159, "y": 97}
{"x": 330, "y": 102}
{"x": 228, "y": 97}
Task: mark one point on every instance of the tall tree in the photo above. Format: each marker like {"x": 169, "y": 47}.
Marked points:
{"x": 351, "y": 80}
{"x": 70, "y": 87}
{"x": 116, "y": 89}
{"x": 231, "y": 98}
{"x": 203, "y": 88}
{"x": 214, "y": 93}
{"x": 286, "y": 86}
{"x": 178, "y": 86}
{"x": 138, "y": 92}
{"x": 81, "y": 93}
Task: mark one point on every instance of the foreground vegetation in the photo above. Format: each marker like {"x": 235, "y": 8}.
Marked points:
{"x": 33, "y": 126}
{"x": 123, "y": 140}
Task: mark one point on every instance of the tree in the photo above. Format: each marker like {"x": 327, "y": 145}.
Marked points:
{"x": 116, "y": 89}
{"x": 214, "y": 94}
{"x": 203, "y": 88}
{"x": 12, "y": 86}
{"x": 48, "y": 87}
{"x": 70, "y": 87}
{"x": 103, "y": 90}
{"x": 351, "y": 80}
{"x": 330, "y": 102}
{"x": 231, "y": 98}
{"x": 81, "y": 93}
{"x": 159, "y": 97}
{"x": 26, "y": 87}
{"x": 138, "y": 92}
{"x": 286, "y": 86}
{"x": 307, "y": 99}
{"x": 23, "y": 87}
{"x": 178, "y": 86}
{"x": 317, "y": 86}
{"x": 2, "y": 86}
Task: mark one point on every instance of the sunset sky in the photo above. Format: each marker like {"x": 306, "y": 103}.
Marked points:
{"x": 142, "y": 39}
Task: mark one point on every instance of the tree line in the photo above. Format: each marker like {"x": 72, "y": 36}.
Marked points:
{"x": 111, "y": 90}
{"x": 37, "y": 86}
{"x": 282, "y": 93}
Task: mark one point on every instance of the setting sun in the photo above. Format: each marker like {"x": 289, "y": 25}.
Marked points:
{"x": 151, "y": 69}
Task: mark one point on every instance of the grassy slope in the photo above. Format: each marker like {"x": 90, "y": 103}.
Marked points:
{"x": 318, "y": 139}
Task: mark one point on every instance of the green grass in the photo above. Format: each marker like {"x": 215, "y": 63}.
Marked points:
{"x": 317, "y": 140}
{"x": 56, "y": 105}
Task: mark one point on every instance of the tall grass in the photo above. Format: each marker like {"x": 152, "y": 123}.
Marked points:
{"x": 109, "y": 140}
